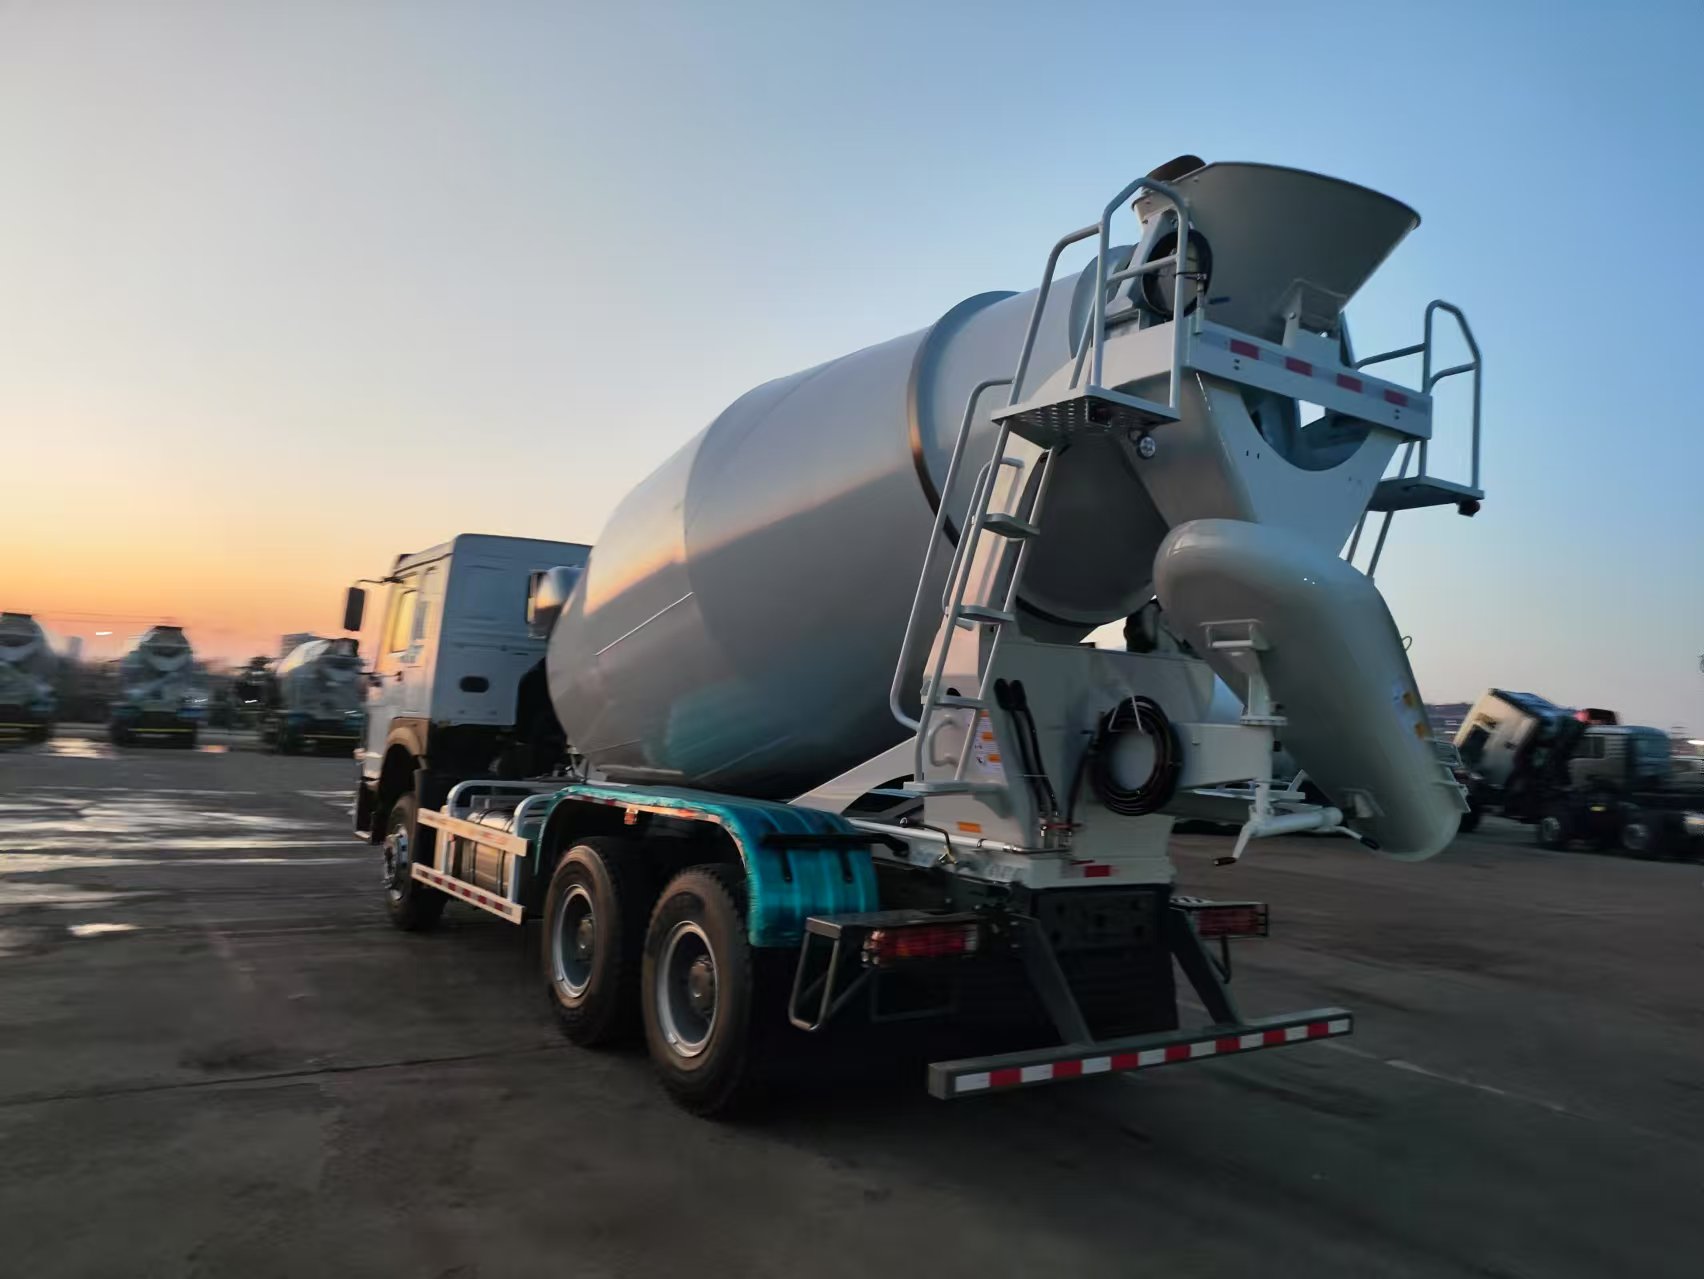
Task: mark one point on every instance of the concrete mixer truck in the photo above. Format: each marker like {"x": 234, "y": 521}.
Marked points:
{"x": 834, "y": 757}
{"x": 314, "y": 696}
{"x": 161, "y": 697}
{"x": 27, "y": 665}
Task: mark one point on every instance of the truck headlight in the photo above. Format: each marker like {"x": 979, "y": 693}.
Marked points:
{"x": 1694, "y": 823}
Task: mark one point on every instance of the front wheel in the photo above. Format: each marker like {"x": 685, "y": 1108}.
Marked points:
{"x": 699, "y": 990}
{"x": 413, "y": 906}
{"x": 1554, "y": 829}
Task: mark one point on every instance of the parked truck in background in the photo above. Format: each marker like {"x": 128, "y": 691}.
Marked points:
{"x": 828, "y": 751}
{"x": 314, "y": 696}
{"x": 1579, "y": 775}
{"x": 28, "y": 701}
{"x": 162, "y": 697}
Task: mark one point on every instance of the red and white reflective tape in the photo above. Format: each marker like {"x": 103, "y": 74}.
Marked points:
{"x": 1336, "y": 378}
{"x": 1116, "y": 1063}
{"x": 468, "y": 893}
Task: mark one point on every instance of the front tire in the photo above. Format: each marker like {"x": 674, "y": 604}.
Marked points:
{"x": 1555, "y": 829}
{"x": 413, "y": 906}
{"x": 594, "y": 933}
{"x": 700, "y": 991}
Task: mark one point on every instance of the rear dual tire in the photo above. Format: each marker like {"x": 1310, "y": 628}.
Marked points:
{"x": 594, "y": 933}
{"x": 701, "y": 995}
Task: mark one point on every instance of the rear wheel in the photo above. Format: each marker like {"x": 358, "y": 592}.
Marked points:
{"x": 699, "y": 990}
{"x": 413, "y": 906}
{"x": 594, "y": 934}
{"x": 1638, "y": 836}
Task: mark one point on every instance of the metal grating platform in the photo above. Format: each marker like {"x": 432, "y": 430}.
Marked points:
{"x": 1093, "y": 409}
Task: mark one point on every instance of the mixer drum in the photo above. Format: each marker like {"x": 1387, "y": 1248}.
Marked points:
{"x": 739, "y": 620}
{"x": 740, "y": 617}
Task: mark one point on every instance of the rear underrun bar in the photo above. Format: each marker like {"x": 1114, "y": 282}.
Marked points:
{"x": 973, "y": 1075}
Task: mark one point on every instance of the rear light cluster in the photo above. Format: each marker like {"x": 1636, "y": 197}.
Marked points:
{"x": 1230, "y": 919}
{"x": 921, "y": 941}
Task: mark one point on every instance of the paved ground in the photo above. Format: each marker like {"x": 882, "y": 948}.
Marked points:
{"x": 216, "y": 1058}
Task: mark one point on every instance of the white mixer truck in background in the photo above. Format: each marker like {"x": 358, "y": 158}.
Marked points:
{"x": 27, "y": 667}
{"x": 833, "y": 754}
{"x": 314, "y": 696}
{"x": 162, "y": 698}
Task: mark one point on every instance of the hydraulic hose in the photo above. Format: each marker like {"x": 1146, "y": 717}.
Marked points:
{"x": 1138, "y": 715}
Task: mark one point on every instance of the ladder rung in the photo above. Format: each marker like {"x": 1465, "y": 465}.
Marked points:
{"x": 1008, "y": 525}
{"x": 951, "y": 786}
{"x": 959, "y": 700}
{"x": 983, "y": 613}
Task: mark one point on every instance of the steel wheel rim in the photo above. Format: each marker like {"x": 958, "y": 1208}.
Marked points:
{"x": 1551, "y": 829}
{"x": 573, "y": 943}
{"x": 396, "y": 863}
{"x": 1635, "y": 837}
{"x": 686, "y": 989}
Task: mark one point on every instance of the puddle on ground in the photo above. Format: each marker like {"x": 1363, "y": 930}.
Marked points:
{"x": 120, "y": 820}
{"x": 77, "y": 748}
{"x": 98, "y": 930}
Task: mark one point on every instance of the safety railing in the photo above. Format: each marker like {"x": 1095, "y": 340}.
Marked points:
{"x": 1429, "y": 378}
{"x": 1104, "y": 279}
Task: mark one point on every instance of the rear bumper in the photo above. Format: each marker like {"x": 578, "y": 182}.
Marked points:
{"x": 972, "y": 1076}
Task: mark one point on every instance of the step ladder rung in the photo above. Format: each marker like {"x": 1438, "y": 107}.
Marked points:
{"x": 985, "y": 613}
{"x": 960, "y": 701}
{"x": 952, "y": 786}
{"x": 1005, "y": 524}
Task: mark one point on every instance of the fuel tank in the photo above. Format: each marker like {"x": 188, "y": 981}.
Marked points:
{"x": 740, "y": 617}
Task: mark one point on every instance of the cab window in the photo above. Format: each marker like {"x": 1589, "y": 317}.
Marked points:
{"x": 401, "y": 622}
{"x": 423, "y": 607}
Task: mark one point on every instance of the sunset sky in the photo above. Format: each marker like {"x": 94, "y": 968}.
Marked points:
{"x": 286, "y": 289}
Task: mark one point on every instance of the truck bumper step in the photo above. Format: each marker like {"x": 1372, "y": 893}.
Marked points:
{"x": 972, "y": 1076}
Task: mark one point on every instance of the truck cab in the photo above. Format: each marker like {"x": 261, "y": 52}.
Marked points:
{"x": 457, "y": 655}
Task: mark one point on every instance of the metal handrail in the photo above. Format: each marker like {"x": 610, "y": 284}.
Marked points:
{"x": 1429, "y": 379}
{"x": 1474, "y": 366}
{"x": 1178, "y": 258}
{"x": 929, "y": 552}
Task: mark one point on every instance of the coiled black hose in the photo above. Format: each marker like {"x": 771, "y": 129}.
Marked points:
{"x": 1140, "y": 715}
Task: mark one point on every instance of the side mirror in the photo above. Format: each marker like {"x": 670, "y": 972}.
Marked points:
{"x": 354, "y": 608}
{"x": 547, "y": 595}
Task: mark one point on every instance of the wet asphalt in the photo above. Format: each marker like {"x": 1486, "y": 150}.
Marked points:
{"x": 217, "y": 1058}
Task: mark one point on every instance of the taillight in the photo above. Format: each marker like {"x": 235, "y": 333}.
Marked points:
{"x": 1230, "y": 919}
{"x": 921, "y": 941}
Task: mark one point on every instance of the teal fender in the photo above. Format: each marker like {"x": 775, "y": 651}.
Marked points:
{"x": 784, "y": 886}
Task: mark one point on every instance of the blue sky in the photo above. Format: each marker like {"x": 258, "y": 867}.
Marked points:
{"x": 289, "y": 288}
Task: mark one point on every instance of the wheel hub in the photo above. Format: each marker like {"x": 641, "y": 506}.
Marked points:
{"x": 701, "y": 986}
{"x": 685, "y": 990}
{"x": 396, "y": 859}
{"x": 574, "y": 944}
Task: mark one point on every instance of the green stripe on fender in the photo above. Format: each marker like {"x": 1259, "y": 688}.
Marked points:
{"x": 784, "y": 886}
